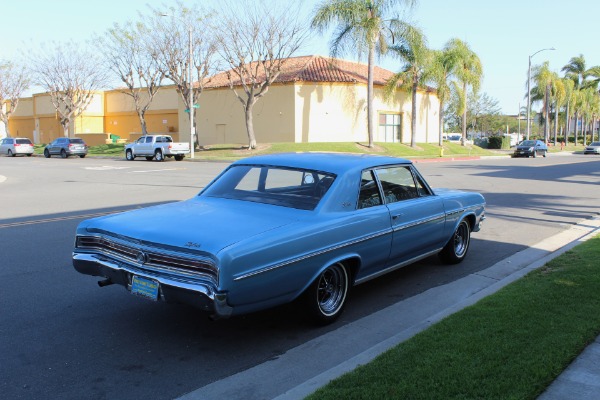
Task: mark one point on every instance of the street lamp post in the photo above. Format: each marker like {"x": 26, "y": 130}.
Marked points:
{"x": 190, "y": 82}
{"x": 529, "y": 91}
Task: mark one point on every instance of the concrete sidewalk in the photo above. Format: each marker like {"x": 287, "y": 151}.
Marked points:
{"x": 581, "y": 380}
{"x": 302, "y": 370}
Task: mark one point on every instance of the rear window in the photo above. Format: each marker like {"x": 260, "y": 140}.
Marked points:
{"x": 23, "y": 141}
{"x": 78, "y": 141}
{"x": 287, "y": 187}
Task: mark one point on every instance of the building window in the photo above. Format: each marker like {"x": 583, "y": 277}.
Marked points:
{"x": 390, "y": 128}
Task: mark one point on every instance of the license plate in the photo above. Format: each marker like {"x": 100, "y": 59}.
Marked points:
{"x": 143, "y": 287}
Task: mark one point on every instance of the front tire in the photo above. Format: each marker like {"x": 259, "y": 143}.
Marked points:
{"x": 158, "y": 156}
{"x": 46, "y": 153}
{"x": 326, "y": 297}
{"x": 458, "y": 245}
{"x": 129, "y": 155}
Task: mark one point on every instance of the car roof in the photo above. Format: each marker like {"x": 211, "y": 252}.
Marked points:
{"x": 336, "y": 163}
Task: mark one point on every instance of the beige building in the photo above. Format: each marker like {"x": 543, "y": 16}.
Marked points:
{"x": 315, "y": 99}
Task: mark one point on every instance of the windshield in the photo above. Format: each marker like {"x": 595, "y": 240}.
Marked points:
{"x": 595, "y": 144}
{"x": 286, "y": 187}
{"x": 527, "y": 143}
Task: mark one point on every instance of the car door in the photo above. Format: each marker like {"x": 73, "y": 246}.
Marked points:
{"x": 417, "y": 216}
{"x": 53, "y": 147}
{"x": 145, "y": 147}
{"x": 4, "y": 146}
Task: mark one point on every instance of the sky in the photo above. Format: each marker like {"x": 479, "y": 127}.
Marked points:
{"x": 502, "y": 33}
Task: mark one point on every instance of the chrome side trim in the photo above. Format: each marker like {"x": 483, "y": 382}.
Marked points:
{"x": 313, "y": 254}
{"x": 420, "y": 222}
{"x": 396, "y": 266}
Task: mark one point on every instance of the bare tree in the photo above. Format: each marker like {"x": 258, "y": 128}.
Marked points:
{"x": 173, "y": 29}
{"x": 71, "y": 73}
{"x": 12, "y": 85}
{"x": 256, "y": 39}
{"x": 127, "y": 54}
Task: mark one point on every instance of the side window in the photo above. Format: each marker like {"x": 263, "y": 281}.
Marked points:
{"x": 421, "y": 187}
{"x": 397, "y": 184}
{"x": 148, "y": 139}
{"x": 369, "y": 195}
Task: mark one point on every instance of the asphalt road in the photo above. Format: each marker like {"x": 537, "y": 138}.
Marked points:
{"x": 61, "y": 336}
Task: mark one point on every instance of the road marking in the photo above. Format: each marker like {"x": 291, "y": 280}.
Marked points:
{"x": 155, "y": 170}
{"x": 43, "y": 221}
{"x": 105, "y": 168}
{"x": 2, "y": 178}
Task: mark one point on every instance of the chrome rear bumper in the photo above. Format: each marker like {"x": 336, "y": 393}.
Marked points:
{"x": 172, "y": 288}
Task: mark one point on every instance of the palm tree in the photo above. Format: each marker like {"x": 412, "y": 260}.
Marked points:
{"x": 441, "y": 72}
{"x": 569, "y": 86}
{"x": 575, "y": 70}
{"x": 417, "y": 58}
{"x": 361, "y": 25}
{"x": 469, "y": 72}
{"x": 543, "y": 77}
{"x": 559, "y": 96}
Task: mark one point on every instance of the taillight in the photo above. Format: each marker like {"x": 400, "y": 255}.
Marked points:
{"x": 17, "y": 144}
{"x": 170, "y": 146}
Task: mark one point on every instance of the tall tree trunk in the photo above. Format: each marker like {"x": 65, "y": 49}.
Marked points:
{"x": 441, "y": 123}
{"x": 371, "y": 68}
{"x": 464, "y": 118}
{"x": 576, "y": 123}
{"x": 555, "y": 124}
{"x": 413, "y": 117}
{"x": 547, "y": 114}
{"x": 143, "y": 123}
{"x": 567, "y": 121}
{"x": 249, "y": 122}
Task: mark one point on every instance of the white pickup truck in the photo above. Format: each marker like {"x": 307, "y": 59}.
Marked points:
{"x": 156, "y": 147}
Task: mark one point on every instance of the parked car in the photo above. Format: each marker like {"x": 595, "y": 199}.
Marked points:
{"x": 13, "y": 146}
{"x": 156, "y": 147}
{"x": 531, "y": 148}
{"x": 274, "y": 229}
{"x": 66, "y": 147}
{"x": 592, "y": 148}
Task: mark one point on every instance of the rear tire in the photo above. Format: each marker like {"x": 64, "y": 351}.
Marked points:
{"x": 458, "y": 245}
{"x": 158, "y": 156}
{"x": 326, "y": 297}
{"x": 63, "y": 154}
{"x": 178, "y": 158}
{"x": 82, "y": 156}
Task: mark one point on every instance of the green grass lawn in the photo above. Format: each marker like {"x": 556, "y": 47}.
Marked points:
{"x": 510, "y": 345}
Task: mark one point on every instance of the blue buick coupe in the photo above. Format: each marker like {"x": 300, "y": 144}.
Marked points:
{"x": 280, "y": 228}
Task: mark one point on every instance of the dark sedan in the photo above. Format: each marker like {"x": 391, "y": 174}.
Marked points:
{"x": 531, "y": 148}
{"x": 66, "y": 147}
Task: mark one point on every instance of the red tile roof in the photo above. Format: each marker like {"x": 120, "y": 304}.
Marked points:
{"x": 315, "y": 69}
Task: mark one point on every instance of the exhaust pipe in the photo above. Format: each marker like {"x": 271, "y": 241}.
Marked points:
{"x": 105, "y": 282}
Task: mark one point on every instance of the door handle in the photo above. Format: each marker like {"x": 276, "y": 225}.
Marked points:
{"x": 396, "y": 216}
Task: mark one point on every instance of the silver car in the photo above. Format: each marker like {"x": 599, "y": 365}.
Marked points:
{"x": 13, "y": 146}
{"x": 592, "y": 148}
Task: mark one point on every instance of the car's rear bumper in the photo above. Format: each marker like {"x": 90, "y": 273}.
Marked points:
{"x": 176, "y": 289}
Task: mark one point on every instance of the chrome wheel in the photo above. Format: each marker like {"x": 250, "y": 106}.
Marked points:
{"x": 458, "y": 245}
{"x": 158, "y": 156}
{"x": 129, "y": 155}
{"x": 326, "y": 296}
{"x": 332, "y": 288}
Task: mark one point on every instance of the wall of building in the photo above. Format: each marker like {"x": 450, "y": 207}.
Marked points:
{"x": 121, "y": 119}
{"x": 221, "y": 119}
